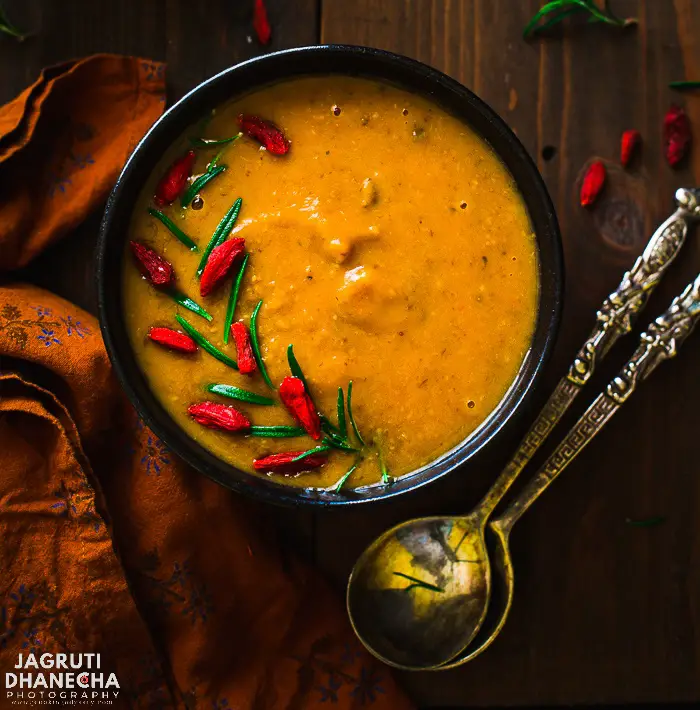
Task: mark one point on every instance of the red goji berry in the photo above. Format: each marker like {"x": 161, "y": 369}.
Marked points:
{"x": 285, "y": 464}
{"x": 631, "y": 140}
{"x": 296, "y": 399}
{"x": 157, "y": 270}
{"x": 592, "y": 184}
{"x": 677, "y": 135}
{"x": 173, "y": 340}
{"x": 219, "y": 265}
{"x": 173, "y": 183}
{"x": 219, "y": 416}
{"x": 246, "y": 360}
{"x": 266, "y": 133}
{"x": 261, "y": 23}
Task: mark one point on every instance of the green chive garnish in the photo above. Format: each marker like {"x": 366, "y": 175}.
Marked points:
{"x": 188, "y": 303}
{"x": 342, "y": 424}
{"x": 646, "y": 522}
{"x": 277, "y": 432}
{"x": 344, "y": 478}
{"x": 199, "y": 183}
{"x": 239, "y": 394}
{"x": 206, "y": 142}
{"x": 311, "y": 452}
{"x": 220, "y": 233}
{"x": 684, "y": 85}
{"x": 337, "y": 443}
{"x": 295, "y": 368}
{"x": 418, "y": 583}
{"x": 205, "y": 344}
{"x": 382, "y": 466}
{"x": 7, "y": 27}
{"x": 328, "y": 427}
{"x": 351, "y": 417}
{"x": 233, "y": 299}
{"x": 177, "y": 232}
{"x": 256, "y": 345}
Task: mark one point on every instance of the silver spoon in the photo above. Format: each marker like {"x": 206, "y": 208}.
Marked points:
{"x": 660, "y": 342}
{"x": 419, "y": 593}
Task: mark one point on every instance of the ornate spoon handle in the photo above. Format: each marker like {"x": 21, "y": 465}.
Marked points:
{"x": 660, "y": 342}
{"x": 615, "y": 318}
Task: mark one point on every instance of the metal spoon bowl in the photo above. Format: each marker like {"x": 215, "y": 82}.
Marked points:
{"x": 418, "y": 593}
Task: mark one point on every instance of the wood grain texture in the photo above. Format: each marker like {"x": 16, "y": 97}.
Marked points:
{"x": 604, "y": 612}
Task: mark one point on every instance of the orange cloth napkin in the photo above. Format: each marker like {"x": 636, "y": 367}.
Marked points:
{"x": 109, "y": 544}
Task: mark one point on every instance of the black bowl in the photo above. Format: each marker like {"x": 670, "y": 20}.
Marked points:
{"x": 323, "y": 60}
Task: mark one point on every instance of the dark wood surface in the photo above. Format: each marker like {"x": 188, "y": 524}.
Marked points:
{"x": 604, "y": 612}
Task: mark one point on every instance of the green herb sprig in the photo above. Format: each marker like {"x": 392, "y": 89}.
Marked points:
{"x": 240, "y": 394}
{"x": 176, "y": 231}
{"x": 351, "y": 416}
{"x": 646, "y": 522}
{"x": 200, "y": 182}
{"x": 277, "y": 432}
{"x": 311, "y": 452}
{"x": 205, "y": 344}
{"x": 186, "y": 302}
{"x": 255, "y": 343}
{"x": 341, "y": 482}
{"x": 8, "y": 28}
{"x": 208, "y": 142}
{"x": 295, "y": 368}
{"x": 684, "y": 85}
{"x": 222, "y": 231}
{"x": 554, "y": 12}
{"x": 418, "y": 583}
{"x": 233, "y": 299}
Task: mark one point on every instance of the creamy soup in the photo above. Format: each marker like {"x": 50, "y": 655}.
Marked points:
{"x": 389, "y": 245}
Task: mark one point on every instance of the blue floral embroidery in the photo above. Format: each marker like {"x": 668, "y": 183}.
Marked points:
{"x": 329, "y": 692}
{"x": 350, "y": 654}
{"x": 59, "y": 183}
{"x": 75, "y": 327}
{"x": 181, "y": 590}
{"x": 28, "y": 612}
{"x": 32, "y": 642}
{"x": 48, "y": 337}
{"x": 153, "y": 71}
{"x": 220, "y": 704}
{"x": 155, "y": 455}
{"x": 368, "y": 685}
{"x": 81, "y": 161}
{"x": 42, "y": 312}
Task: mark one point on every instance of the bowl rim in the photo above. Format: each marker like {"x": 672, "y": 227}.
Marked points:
{"x": 547, "y": 321}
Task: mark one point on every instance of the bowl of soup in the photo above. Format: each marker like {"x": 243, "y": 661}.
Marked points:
{"x": 329, "y": 275}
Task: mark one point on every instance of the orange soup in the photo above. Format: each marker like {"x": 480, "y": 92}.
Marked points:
{"x": 382, "y": 238}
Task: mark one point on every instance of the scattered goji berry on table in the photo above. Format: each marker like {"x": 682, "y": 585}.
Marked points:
{"x": 157, "y": 270}
{"x": 219, "y": 416}
{"x": 219, "y": 264}
{"x": 677, "y": 135}
{"x": 631, "y": 140}
{"x": 297, "y": 400}
{"x": 285, "y": 463}
{"x": 592, "y": 184}
{"x": 173, "y": 340}
{"x": 173, "y": 182}
{"x": 261, "y": 22}
{"x": 246, "y": 359}
{"x": 265, "y": 133}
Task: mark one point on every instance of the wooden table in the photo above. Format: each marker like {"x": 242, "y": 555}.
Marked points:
{"x": 605, "y": 612}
